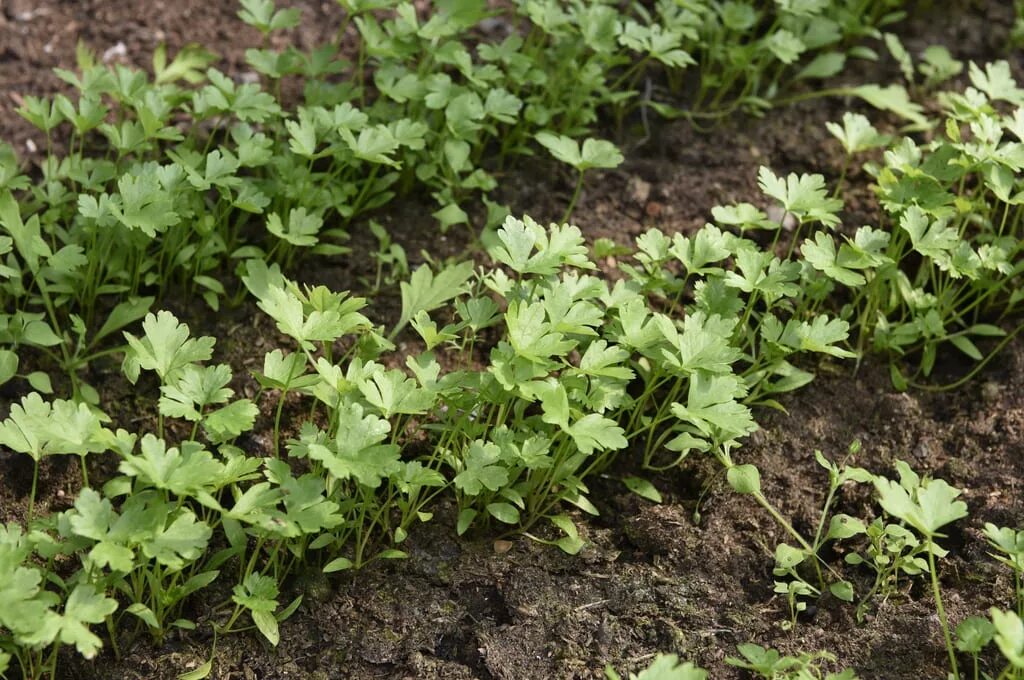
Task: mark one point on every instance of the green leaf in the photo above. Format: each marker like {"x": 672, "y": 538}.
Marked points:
{"x": 595, "y": 153}
{"x": 200, "y": 673}
{"x": 145, "y": 204}
{"x": 843, "y": 590}
{"x": 425, "y": 291}
{"x": 357, "y": 451}
{"x": 256, "y": 593}
{"x": 465, "y": 520}
{"x": 563, "y": 148}
{"x": 786, "y": 47}
{"x": 821, "y": 254}
{"x": 40, "y": 382}
{"x": 503, "y": 512}
{"x": 338, "y": 564}
{"x": 228, "y": 422}
{"x": 261, "y": 15}
{"x": 374, "y": 144}
{"x": 267, "y": 625}
{"x": 997, "y": 82}
{"x": 824, "y": 65}
{"x": 301, "y": 319}
{"x": 40, "y": 428}
{"x": 449, "y": 215}
{"x": 180, "y": 543}
{"x": 165, "y": 348}
{"x": 1009, "y": 635}
{"x": 667, "y": 667}
{"x": 184, "y": 471}
{"x": 744, "y": 479}
{"x": 605, "y": 361}
{"x": 844, "y": 526}
{"x": 805, "y": 196}
{"x": 85, "y": 606}
{"x": 481, "y": 469}
{"x": 973, "y": 634}
{"x": 393, "y": 393}
{"x": 598, "y": 153}
{"x": 712, "y": 408}
{"x": 571, "y": 543}
{"x": 8, "y": 365}
{"x": 281, "y": 370}
{"x": 28, "y": 238}
{"x": 302, "y": 229}
{"x": 124, "y": 313}
{"x": 188, "y": 64}
{"x": 595, "y": 432}
{"x": 857, "y": 134}
{"x": 643, "y": 488}
{"x": 927, "y": 507}
{"x": 708, "y": 246}
{"x": 892, "y": 98}
{"x": 555, "y": 247}
{"x": 195, "y": 388}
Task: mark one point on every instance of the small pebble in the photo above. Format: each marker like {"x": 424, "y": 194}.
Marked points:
{"x": 116, "y": 52}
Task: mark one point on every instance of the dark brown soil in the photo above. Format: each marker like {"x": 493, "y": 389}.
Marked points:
{"x": 690, "y": 576}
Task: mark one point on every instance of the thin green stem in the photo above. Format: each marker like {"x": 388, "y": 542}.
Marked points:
{"x": 575, "y": 197}
{"x": 940, "y": 609}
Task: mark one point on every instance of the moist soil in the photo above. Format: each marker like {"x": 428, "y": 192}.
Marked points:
{"x": 692, "y": 575}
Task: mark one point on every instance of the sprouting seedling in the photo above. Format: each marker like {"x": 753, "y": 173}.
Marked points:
{"x": 770, "y": 664}
{"x": 41, "y": 428}
{"x": 664, "y": 667}
{"x": 1009, "y": 546}
{"x": 972, "y": 635}
{"x": 927, "y": 506}
{"x": 747, "y": 480}
{"x": 266, "y": 18}
{"x": 166, "y": 348}
{"x": 856, "y": 134}
{"x": 595, "y": 153}
{"x": 1009, "y": 637}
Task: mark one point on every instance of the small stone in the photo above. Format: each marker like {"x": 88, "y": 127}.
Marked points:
{"x": 641, "y": 190}
{"x": 778, "y": 214}
{"x": 22, "y": 10}
{"x": 115, "y": 52}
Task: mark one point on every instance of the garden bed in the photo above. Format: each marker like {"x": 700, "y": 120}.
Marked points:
{"x": 691, "y": 575}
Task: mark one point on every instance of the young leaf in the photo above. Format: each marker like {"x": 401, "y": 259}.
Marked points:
{"x": 426, "y": 292}
{"x": 595, "y": 432}
{"x": 481, "y": 469}
{"x": 85, "y": 606}
{"x": 805, "y": 196}
{"x": 258, "y": 594}
{"x": 1009, "y": 635}
{"x": 643, "y": 488}
{"x": 927, "y": 507}
{"x": 165, "y": 348}
{"x": 595, "y": 153}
